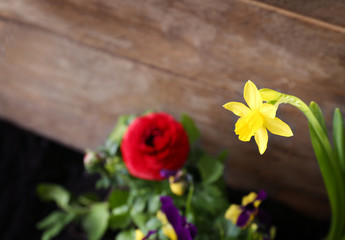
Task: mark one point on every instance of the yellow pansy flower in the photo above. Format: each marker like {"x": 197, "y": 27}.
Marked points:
{"x": 257, "y": 118}
{"x": 244, "y": 214}
{"x": 139, "y": 235}
{"x": 167, "y": 228}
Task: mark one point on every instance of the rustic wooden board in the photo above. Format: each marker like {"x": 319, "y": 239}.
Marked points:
{"x": 329, "y": 11}
{"x": 69, "y": 68}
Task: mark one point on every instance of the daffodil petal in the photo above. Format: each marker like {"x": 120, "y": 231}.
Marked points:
{"x": 278, "y": 127}
{"x": 252, "y": 95}
{"x": 261, "y": 139}
{"x": 237, "y": 108}
{"x": 268, "y": 110}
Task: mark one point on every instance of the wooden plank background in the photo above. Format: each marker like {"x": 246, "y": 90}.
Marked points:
{"x": 69, "y": 68}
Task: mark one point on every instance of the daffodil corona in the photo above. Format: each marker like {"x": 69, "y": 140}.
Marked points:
{"x": 257, "y": 118}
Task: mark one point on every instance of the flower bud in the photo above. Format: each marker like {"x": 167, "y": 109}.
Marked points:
{"x": 178, "y": 187}
{"x": 91, "y": 159}
{"x": 178, "y": 183}
{"x": 269, "y": 95}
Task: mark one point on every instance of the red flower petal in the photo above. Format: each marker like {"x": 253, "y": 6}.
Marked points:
{"x": 152, "y": 143}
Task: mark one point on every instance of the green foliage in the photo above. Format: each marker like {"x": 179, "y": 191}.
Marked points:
{"x": 93, "y": 214}
{"x": 331, "y": 163}
{"x": 133, "y": 203}
{"x": 88, "y": 198}
{"x": 211, "y": 169}
{"x": 119, "y": 220}
{"x": 339, "y": 137}
{"x": 118, "y": 198}
{"x": 54, "y": 223}
{"x": 53, "y": 192}
{"x": 126, "y": 235}
{"x": 115, "y": 137}
{"x": 191, "y": 129}
{"x": 314, "y": 107}
{"x": 95, "y": 222}
{"x": 231, "y": 231}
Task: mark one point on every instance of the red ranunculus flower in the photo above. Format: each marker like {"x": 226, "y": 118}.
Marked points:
{"x": 153, "y": 143}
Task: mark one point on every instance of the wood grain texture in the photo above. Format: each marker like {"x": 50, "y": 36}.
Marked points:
{"x": 70, "y": 68}
{"x": 330, "y": 11}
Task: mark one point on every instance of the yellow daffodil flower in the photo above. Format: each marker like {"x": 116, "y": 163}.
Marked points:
{"x": 256, "y": 119}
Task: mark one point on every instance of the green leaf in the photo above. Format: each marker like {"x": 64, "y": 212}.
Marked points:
{"x": 118, "y": 198}
{"x": 328, "y": 178}
{"x": 54, "y": 223}
{"x": 88, "y": 198}
{"x": 154, "y": 204}
{"x": 314, "y": 107}
{"x": 211, "y": 169}
{"x": 231, "y": 230}
{"x": 120, "y": 217}
{"x": 115, "y": 137}
{"x": 103, "y": 182}
{"x": 95, "y": 222}
{"x": 140, "y": 219}
{"x": 208, "y": 200}
{"x": 339, "y": 137}
{"x": 222, "y": 155}
{"x": 52, "y": 218}
{"x": 126, "y": 235}
{"x": 153, "y": 223}
{"x": 53, "y": 192}
{"x": 139, "y": 205}
{"x": 120, "y": 221}
{"x": 190, "y": 127}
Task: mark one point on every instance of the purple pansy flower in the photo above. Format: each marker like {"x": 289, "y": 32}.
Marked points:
{"x": 167, "y": 173}
{"x": 243, "y": 215}
{"x": 183, "y": 229}
{"x": 149, "y": 234}
{"x": 250, "y": 209}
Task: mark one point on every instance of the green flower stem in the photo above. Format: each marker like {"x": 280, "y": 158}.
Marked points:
{"x": 329, "y": 166}
{"x": 221, "y": 231}
{"x": 188, "y": 212}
